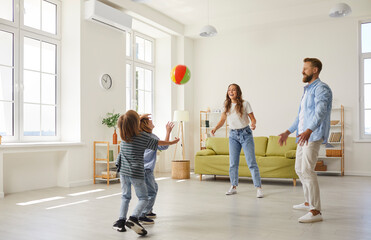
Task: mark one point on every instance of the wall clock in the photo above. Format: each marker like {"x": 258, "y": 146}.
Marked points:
{"x": 106, "y": 81}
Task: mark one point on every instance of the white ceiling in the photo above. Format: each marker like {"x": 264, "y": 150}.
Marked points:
{"x": 190, "y": 12}
{"x": 230, "y": 15}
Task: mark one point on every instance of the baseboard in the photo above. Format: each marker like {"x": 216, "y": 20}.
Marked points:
{"x": 357, "y": 173}
{"x": 81, "y": 183}
{"x": 2, "y": 194}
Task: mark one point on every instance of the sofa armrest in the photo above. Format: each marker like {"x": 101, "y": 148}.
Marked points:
{"x": 291, "y": 154}
{"x": 205, "y": 152}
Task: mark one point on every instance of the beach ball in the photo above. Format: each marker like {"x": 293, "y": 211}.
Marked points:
{"x": 180, "y": 74}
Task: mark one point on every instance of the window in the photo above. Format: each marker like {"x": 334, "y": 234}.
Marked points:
{"x": 29, "y": 70}
{"x": 365, "y": 84}
{"x": 139, "y": 72}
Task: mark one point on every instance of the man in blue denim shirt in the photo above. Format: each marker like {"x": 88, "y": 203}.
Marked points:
{"x": 312, "y": 126}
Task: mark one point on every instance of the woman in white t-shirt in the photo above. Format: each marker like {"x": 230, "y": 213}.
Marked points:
{"x": 239, "y": 114}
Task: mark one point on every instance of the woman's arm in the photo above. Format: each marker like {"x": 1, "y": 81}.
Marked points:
{"x": 220, "y": 123}
{"x": 253, "y": 121}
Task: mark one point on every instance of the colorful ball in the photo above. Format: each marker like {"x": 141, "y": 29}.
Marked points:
{"x": 180, "y": 74}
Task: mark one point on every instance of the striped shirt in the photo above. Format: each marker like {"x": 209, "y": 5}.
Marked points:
{"x": 130, "y": 158}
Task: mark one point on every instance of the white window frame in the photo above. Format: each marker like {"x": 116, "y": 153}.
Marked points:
{"x": 16, "y": 85}
{"x": 134, "y": 62}
{"x": 362, "y": 57}
{"x": 20, "y": 31}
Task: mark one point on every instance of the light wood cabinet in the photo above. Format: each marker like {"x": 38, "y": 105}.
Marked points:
{"x": 104, "y": 163}
{"x": 332, "y": 155}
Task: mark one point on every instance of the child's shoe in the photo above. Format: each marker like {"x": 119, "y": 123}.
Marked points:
{"x": 134, "y": 225}
{"x": 119, "y": 225}
{"x": 146, "y": 221}
{"x": 151, "y": 215}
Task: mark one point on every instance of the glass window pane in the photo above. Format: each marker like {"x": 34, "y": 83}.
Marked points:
{"x": 6, "y": 118}
{"x": 6, "y": 83}
{"x": 148, "y": 100}
{"x": 31, "y": 54}
{"x": 32, "y": 13}
{"x": 48, "y": 93}
{"x": 31, "y": 120}
{"x": 148, "y": 80}
{"x": 140, "y": 48}
{"x": 6, "y": 48}
{"x": 31, "y": 82}
{"x": 128, "y": 44}
{"x": 140, "y": 101}
{"x": 49, "y": 17}
{"x": 366, "y": 37}
{"x": 367, "y": 71}
{"x": 367, "y": 95}
{"x": 48, "y": 119}
{"x": 128, "y": 75}
{"x": 368, "y": 122}
{"x": 6, "y": 10}
{"x": 48, "y": 57}
{"x": 140, "y": 78}
{"x": 148, "y": 51}
{"x": 128, "y": 99}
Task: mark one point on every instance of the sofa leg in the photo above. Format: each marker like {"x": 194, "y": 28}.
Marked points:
{"x": 294, "y": 181}
{"x": 200, "y": 177}
{"x": 214, "y": 177}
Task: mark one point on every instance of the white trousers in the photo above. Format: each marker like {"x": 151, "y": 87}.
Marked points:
{"x": 306, "y": 159}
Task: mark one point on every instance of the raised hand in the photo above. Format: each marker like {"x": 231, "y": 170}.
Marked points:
{"x": 145, "y": 115}
{"x": 169, "y": 127}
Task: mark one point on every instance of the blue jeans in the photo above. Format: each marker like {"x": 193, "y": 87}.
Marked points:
{"x": 242, "y": 138}
{"x": 141, "y": 192}
{"x": 152, "y": 188}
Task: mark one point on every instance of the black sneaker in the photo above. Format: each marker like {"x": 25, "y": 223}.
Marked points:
{"x": 151, "y": 215}
{"x": 134, "y": 225}
{"x": 119, "y": 225}
{"x": 146, "y": 221}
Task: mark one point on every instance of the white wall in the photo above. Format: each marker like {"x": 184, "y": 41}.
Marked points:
{"x": 267, "y": 64}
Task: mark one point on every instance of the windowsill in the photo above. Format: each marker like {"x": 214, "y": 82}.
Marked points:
{"x": 362, "y": 141}
{"x": 40, "y": 144}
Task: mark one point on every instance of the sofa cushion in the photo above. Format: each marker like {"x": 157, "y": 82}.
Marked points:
{"x": 205, "y": 152}
{"x": 274, "y": 149}
{"x": 219, "y": 145}
{"x": 290, "y": 154}
{"x": 260, "y": 145}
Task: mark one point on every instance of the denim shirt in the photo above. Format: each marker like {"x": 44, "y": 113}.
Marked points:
{"x": 317, "y": 111}
{"x": 150, "y": 155}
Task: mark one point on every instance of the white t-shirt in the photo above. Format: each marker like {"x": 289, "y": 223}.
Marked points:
{"x": 234, "y": 119}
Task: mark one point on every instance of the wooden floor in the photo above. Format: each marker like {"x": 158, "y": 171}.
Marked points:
{"x": 193, "y": 210}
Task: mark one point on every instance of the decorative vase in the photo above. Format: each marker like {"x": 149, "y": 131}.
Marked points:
{"x": 114, "y": 140}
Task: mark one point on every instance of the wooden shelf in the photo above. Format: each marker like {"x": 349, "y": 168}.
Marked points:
{"x": 339, "y": 115}
{"x": 99, "y": 161}
{"x": 205, "y": 132}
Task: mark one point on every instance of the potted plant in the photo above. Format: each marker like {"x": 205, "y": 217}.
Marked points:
{"x": 111, "y": 121}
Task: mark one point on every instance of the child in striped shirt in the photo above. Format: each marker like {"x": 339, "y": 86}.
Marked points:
{"x": 130, "y": 163}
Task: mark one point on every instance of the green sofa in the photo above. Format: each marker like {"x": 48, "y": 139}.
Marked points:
{"x": 273, "y": 160}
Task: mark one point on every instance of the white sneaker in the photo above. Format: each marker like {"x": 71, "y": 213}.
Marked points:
{"x": 259, "y": 193}
{"x": 310, "y": 218}
{"x": 231, "y": 191}
{"x": 301, "y": 206}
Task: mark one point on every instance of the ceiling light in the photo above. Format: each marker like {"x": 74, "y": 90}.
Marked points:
{"x": 208, "y": 30}
{"x": 340, "y": 10}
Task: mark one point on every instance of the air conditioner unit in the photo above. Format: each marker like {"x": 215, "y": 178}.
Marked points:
{"x": 99, "y": 12}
